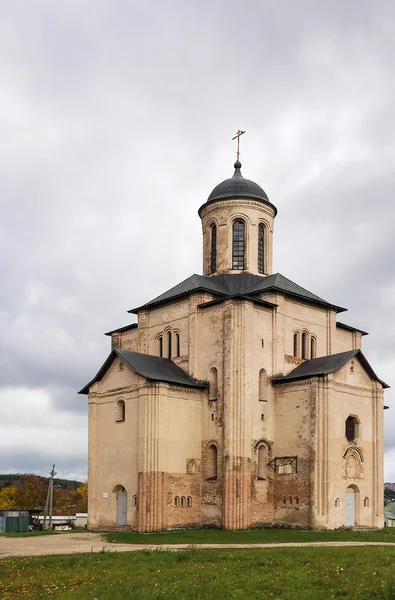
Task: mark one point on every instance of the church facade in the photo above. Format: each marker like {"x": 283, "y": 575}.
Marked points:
{"x": 238, "y": 399}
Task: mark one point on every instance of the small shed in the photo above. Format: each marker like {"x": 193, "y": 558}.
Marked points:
{"x": 389, "y": 514}
{"x": 14, "y": 521}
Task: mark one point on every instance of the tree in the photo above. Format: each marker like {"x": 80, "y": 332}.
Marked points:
{"x": 82, "y": 497}
{"x": 30, "y": 493}
{"x": 7, "y": 497}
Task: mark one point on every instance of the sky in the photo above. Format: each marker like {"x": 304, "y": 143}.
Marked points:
{"x": 116, "y": 119}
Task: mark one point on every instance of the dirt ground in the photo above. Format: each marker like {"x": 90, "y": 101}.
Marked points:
{"x": 77, "y": 543}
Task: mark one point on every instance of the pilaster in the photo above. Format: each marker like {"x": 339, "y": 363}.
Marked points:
{"x": 237, "y": 460}
{"x": 152, "y": 495}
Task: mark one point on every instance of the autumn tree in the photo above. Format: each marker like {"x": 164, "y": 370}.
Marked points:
{"x": 7, "y": 497}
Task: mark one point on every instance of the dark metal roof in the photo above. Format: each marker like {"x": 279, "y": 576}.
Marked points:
{"x": 194, "y": 283}
{"x": 240, "y": 297}
{"x": 238, "y": 284}
{"x": 125, "y": 328}
{"x": 153, "y": 368}
{"x": 238, "y": 187}
{"x": 349, "y": 328}
{"x": 318, "y": 367}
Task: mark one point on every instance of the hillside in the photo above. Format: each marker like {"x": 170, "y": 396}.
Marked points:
{"x": 26, "y": 491}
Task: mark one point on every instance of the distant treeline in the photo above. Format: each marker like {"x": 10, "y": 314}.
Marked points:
{"x": 26, "y": 491}
{"x": 9, "y": 479}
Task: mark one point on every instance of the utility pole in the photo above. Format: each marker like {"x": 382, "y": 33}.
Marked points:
{"x": 49, "y": 502}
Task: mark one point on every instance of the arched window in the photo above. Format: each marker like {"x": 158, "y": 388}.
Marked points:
{"x": 160, "y": 341}
{"x": 261, "y": 248}
{"x": 189, "y": 501}
{"x": 238, "y": 245}
{"x": 296, "y": 344}
{"x": 313, "y": 347}
{"x": 262, "y": 385}
{"x": 304, "y": 345}
{"x": 213, "y": 384}
{"x": 366, "y": 502}
{"x": 290, "y": 500}
{"x": 134, "y": 501}
{"x": 213, "y": 257}
{"x": 212, "y": 459}
{"x": 120, "y": 411}
{"x": 284, "y": 500}
{"x": 337, "y": 502}
{"x": 169, "y": 351}
{"x": 183, "y": 501}
{"x": 176, "y": 501}
{"x": 177, "y": 344}
{"x": 262, "y": 462}
{"x": 296, "y": 501}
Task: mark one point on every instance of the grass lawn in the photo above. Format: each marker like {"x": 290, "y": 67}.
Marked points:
{"x": 28, "y": 533}
{"x": 255, "y": 536}
{"x": 278, "y": 574}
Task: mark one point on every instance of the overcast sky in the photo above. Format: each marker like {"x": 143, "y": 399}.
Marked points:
{"x": 116, "y": 119}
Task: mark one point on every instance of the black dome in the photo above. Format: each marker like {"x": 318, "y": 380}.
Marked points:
{"x": 238, "y": 187}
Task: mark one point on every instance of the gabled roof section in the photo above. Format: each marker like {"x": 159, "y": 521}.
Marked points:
{"x": 279, "y": 283}
{"x": 194, "y": 283}
{"x": 318, "y": 367}
{"x": 238, "y": 284}
{"x": 125, "y": 328}
{"x": 153, "y": 368}
{"x": 349, "y": 328}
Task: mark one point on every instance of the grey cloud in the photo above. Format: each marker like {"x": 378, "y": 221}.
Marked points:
{"x": 117, "y": 118}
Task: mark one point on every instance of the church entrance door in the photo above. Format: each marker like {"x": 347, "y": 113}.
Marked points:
{"x": 122, "y": 507}
{"x": 349, "y": 508}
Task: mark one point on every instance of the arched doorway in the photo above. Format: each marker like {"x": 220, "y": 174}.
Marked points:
{"x": 350, "y": 504}
{"x": 122, "y": 505}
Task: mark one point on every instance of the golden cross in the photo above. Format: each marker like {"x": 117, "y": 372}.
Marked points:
{"x": 238, "y": 134}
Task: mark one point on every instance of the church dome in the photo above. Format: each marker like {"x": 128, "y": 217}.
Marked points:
{"x": 238, "y": 187}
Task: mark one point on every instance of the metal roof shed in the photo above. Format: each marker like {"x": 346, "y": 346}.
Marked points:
{"x": 14, "y": 521}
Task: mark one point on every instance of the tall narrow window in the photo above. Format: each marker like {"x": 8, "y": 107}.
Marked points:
{"x": 261, "y": 248}
{"x": 296, "y": 344}
{"x": 213, "y": 384}
{"x": 177, "y": 344}
{"x": 213, "y": 261}
{"x": 262, "y": 385}
{"x": 313, "y": 347}
{"x": 304, "y": 345}
{"x": 262, "y": 461}
{"x": 120, "y": 411}
{"x": 169, "y": 351}
{"x": 160, "y": 340}
{"x": 238, "y": 246}
{"x": 352, "y": 428}
{"x": 212, "y": 456}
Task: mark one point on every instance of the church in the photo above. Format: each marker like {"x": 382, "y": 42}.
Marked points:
{"x": 238, "y": 399}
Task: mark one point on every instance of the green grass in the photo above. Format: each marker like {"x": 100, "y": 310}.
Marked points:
{"x": 278, "y": 574}
{"x": 255, "y": 536}
{"x": 28, "y": 533}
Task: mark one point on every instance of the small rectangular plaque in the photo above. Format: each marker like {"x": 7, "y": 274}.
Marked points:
{"x": 105, "y": 495}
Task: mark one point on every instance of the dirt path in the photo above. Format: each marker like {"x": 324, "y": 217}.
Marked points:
{"x": 78, "y": 543}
